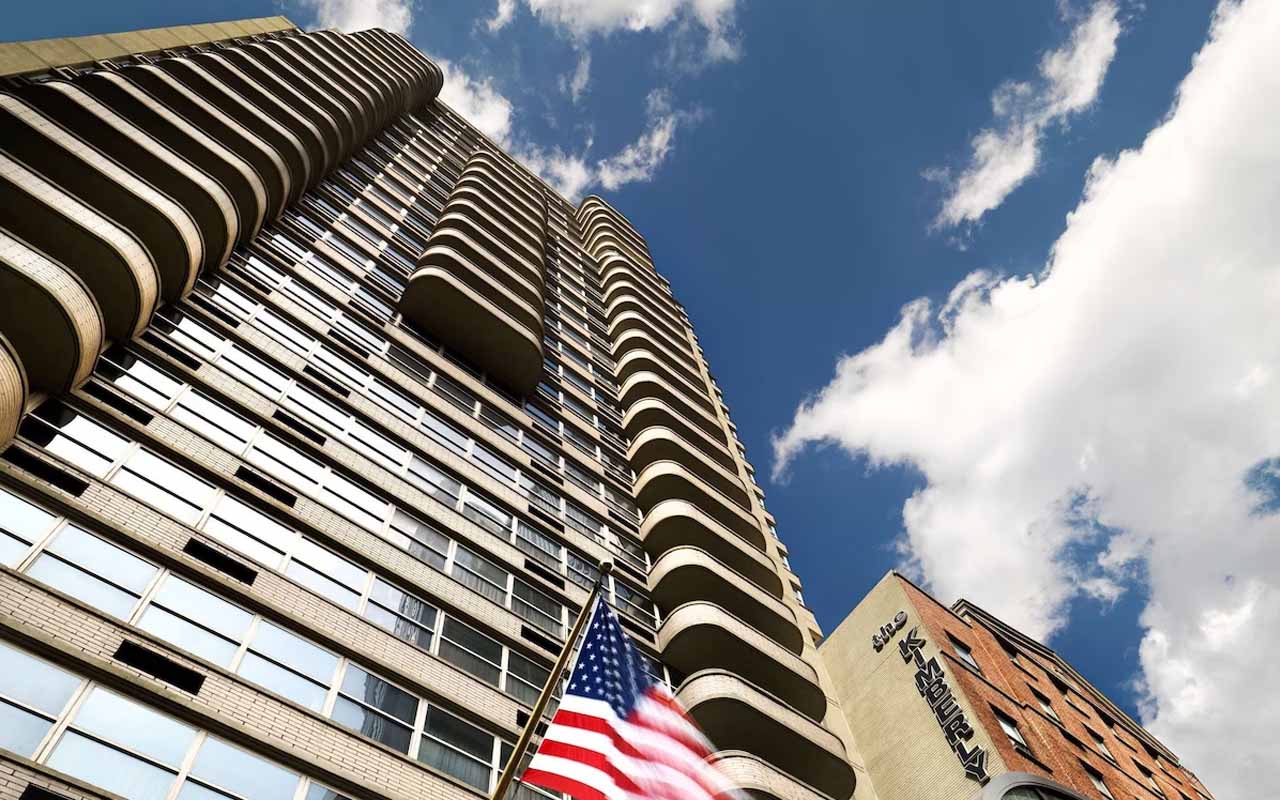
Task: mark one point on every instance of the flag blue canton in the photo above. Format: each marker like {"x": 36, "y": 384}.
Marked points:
{"x": 609, "y": 668}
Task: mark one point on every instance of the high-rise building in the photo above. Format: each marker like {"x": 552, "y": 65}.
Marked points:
{"x": 950, "y": 703}
{"x": 319, "y": 413}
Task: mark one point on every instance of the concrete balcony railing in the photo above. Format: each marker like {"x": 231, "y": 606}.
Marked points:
{"x": 675, "y": 523}
{"x": 761, "y": 779}
{"x": 665, "y": 480}
{"x": 687, "y": 574}
{"x": 700, "y": 635}
{"x": 652, "y": 411}
{"x": 663, "y": 444}
{"x": 736, "y": 715}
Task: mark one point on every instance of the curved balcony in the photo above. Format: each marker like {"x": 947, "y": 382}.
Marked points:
{"x": 628, "y": 298}
{"x": 13, "y": 391}
{"x": 266, "y": 100}
{"x": 660, "y": 443}
{"x": 663, "y": 480}
{"x": 626, "y": 321}
{"x": 115, "y": 268}
{"x": 701, "y": 635}
{"x": 210, "y": 90}
{"x": 275, "y": 78}
{"x": 325, "y": 90}
{"x": 643, "y": 385}
{"x": 501, "y": 198}
{"x": 761, "y": 779}
{"x": 508, "y": 281}
{"x": 50, "y": 319}
{"x": 639, "y": 361}
{"x": 675, "y": 523}
{"x": 119, "y": 139}
{"x": 163, "y": 227}
{"x": 269, "y": 169}
{"x": 639, "y": 340}
{"x": 470, "y": 205}
{"x": 371, "y": 109}
{"x": 652, "y": 412}
{"x": 614, "y": 269}
{"x": 738, "y": 716}
{"x": 474, "y": 227}
{"x": 518, "y": 188}
{"x": 430, "y": 78}
{"x": 595, "y": 213}
{"x": 360, "y": 57}
{"x": 686, "y": 574}
{"x": 368, "y": 78}
{"x": 233, "y": 173}
{"x": 606, "y": 242}
{"x": 472, "y": 325}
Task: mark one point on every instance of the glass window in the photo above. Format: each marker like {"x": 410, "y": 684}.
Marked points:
{"x": 291, "y": 649}
{"x": 378, "y": 693}
{"x": 1100, "y": 744}
{"x": 964, "y": 653}
{"x": 130, "y": 724}
{"x": 88, "y": 568}
{"x": 471, "y": 651}
{"x": 109, "y": 768}
{"x": 168, "y": 488}
{"x": 406, "y": 616}
{"x": 1095, "y": 778}
{"x": 285, "y": 682}
{"x": 457, "y": 748}
{"x": 21, "y": 525}
{"x": 231, "y": 768}
{"x": 1010, "y": 729}
{"x": 32, "y": 693}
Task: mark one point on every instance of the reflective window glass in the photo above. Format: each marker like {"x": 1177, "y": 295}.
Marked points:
{"x": 109, "y": 768}
{"x": 247, "y": 775}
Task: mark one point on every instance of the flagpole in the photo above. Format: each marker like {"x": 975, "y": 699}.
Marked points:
{"x": 540, "y": 707}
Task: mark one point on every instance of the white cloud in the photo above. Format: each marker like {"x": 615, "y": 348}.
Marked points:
{"x": 477, "y": 101}
{"x": 575, "y": 83}
{"x": 1110, "y": 421}
{"x": 358, "y": 15}
{"x": 583, "y": 19}
{"x": 502, "y": 16}
{"x": 1005, "y": 155}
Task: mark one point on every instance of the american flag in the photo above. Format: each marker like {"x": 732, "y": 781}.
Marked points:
{"x": 619, "y": 734}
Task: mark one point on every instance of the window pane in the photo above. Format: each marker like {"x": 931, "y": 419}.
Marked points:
{"x": 376, "y": 692}
{"x": 404, "y": 604}
{"x": 298, "y": 653}
{"x": 458, "y": 733}
{"x": 189, "y": 637}
{"x": 232, "y": 768}
{"x": 203, "y": 607}
{"x": 21, "y": 519}
{"x": 371, "y": 724}
{"x": 278, "y": 679}
{"x": 83, "y": 586}
{"x": 106, "y": 560}
{"x": 452, "y": 762}
{"x": 21, "y": 731}
{"x": 324, "y": 586}
{"x": 110, "y": 769}
{"x": 34, "y": 682}
{"x": 134, "y": 726}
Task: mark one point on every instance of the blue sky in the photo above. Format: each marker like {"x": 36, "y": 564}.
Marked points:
{"x": 1063, "y": 423}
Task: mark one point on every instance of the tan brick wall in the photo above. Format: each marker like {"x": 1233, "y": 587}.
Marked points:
{"x": 903, "y": 748}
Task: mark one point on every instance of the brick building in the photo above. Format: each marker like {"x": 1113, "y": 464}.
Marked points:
{"x": 951, "y": 703}
{"x": 318, "y": 413}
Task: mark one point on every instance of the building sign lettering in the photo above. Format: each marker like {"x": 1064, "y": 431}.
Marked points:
{"x": 931, "y": 683}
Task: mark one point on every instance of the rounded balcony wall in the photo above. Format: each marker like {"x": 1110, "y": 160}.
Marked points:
{"x": 642, "y": 385}
{"x": 660, "y": 443}
{"x": 627, "y": 341}
{"x": 652, "y": 412}
{"x": 674, "y": 523}
{"x": 701, "y": 635}
{"x": 687, "y": 574}
{"x": 231, "y": 172}
{"x": 212, "y": 91}
{"x": 370, "y": 77}
{"x": 169, "y": 234}
{"x": 738, "y": 716}
{"x": 13, "y": 391}
{"x": 762, "y": 780}
{"x": 229, "y": 71}
{"x": 470, "y": 324}
{"x": 114, "y": 266}
{"x": 49, "y": 317}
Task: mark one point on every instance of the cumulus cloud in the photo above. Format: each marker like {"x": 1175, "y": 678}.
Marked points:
{"x": 1007, "y": 154}
{"x": 1111, "y": 421}
{"x": 358, "y": 15}
{"x": 583, "y": 19}
{"x": 477, "y": 100}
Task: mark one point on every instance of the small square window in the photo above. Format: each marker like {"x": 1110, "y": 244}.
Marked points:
{"x": 1095, "y": 778}
{"x": 964, "y": 653}
{"x": 1010, "y": 729}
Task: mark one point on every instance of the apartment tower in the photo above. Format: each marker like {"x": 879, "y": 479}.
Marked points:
{"x": 319, "y": 413}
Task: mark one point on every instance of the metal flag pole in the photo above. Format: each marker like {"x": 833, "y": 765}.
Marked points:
{"x": 540, "y": 707}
